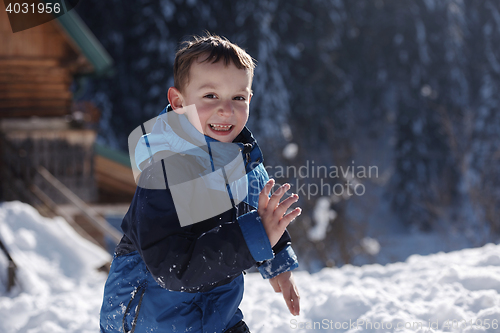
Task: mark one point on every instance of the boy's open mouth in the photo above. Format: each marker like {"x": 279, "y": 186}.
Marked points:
{"x": 221, "y": 128}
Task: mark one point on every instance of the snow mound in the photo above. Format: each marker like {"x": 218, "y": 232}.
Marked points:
{"x": 444, "y": 292}
{"x": 59, "y": 289}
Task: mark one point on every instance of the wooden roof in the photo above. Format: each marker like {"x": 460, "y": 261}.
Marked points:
{"x": 86, "y": 41}
{"x": 37, "y": 65}
{"x": 113, "y": 174}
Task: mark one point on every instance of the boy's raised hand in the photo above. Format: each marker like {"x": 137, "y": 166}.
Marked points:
{"x": 272, "y": 212}
{"x": 285, "y": 284}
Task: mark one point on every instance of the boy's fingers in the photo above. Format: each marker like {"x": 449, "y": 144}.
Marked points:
{"x": 276, "y": 197}
{"x": 285, "y": 221}
{"x": 285, "y": 204}
{"x": 291, "y": 299}
{"x": 288, "y": 299}
{"x": 264, "y": 194}
{"x": 295, "y": 300}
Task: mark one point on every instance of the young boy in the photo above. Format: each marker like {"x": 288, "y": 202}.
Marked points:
{"x": 179, "y": 267}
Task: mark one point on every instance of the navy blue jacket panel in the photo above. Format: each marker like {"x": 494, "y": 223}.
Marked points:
{"x": 168, "y": 277}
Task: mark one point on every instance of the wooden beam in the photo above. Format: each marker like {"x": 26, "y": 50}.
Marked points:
{"x": 29, "y": 62}
{"x": 98, "y": 221}
{"x": 36, "y": 94}
{"x": 114, "y": 185}
{"x": 35, "y": 78}
{"x": 30, "y": 86}
{"x": 16, "y": 112}
{"x": 114, "y": 174}
{"x": 47, "y": 201}
{"x": 6, "y": 103}
{"x": 22, "y": 70}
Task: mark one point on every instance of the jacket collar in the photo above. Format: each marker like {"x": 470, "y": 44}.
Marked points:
{"x": 172, "y": 134}
{"x": 245, "y": 140}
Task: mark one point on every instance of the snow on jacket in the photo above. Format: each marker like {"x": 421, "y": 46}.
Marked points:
{"x": 168, "y": 277}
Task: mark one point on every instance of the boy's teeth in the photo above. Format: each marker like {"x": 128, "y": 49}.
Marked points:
{"x": 221, "y": 127}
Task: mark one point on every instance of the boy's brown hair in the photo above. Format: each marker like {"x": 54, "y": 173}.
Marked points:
{"x": 217, "y": 48}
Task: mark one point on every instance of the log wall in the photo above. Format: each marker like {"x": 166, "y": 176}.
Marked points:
{"x": 36, "y": 70}
{"x": 66, "y": 153}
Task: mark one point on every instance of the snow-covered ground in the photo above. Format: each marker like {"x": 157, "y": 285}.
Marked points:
{"x": 58, "y": 287}
{"x": 60, "y": 290}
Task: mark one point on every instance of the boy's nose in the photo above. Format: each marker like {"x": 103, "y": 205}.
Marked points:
{"x": 225, "y": 109}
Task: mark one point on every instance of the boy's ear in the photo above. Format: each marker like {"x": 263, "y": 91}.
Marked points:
{"x": 176, "y": 99}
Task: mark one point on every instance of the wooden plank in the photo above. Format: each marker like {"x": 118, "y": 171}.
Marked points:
{"x": 101, "y": 209}
{"x": 35, "y": 94}
{"x": 84, "y": 138}
{"x": 113, "y": 176}
{"x": 98, "y": 221}
{"x": 34, "y": 103}
{"x": 36, "y": 43}
{"x": 13, "y": 112}
{"x": 61, "y": 212}
{"x": 124, "y": 183}
{"x": 30, "y": 86}
{"x": 35, "y": 78}
{"x": 36, "y": 129}
{"x": 107, "y": 166}
{"x": 33, "y": 70}
{"x": 114, "y": 185}
{"x": 30, "y": 62}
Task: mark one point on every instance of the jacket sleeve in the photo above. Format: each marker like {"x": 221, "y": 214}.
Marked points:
{"x": 284, "y": 260}
{"x": 194, "y": 257}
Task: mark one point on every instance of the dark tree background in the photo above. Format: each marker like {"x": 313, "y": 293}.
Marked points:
{"x": 409, "y": 86}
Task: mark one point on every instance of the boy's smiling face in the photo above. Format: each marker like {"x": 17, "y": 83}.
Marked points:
{"x": 221, "y": 95}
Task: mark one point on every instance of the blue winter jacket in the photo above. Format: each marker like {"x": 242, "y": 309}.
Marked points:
{"x": 169, "y": 278}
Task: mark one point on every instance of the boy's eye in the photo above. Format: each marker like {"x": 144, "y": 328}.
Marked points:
{"x": 210, "y": 96}
{"x": 240, "y": 98}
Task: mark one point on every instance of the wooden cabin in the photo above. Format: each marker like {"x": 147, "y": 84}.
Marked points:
{"x": 37, "y": 65}
{"x": 44, "y": 133}
{"x": 113, "y": 174}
